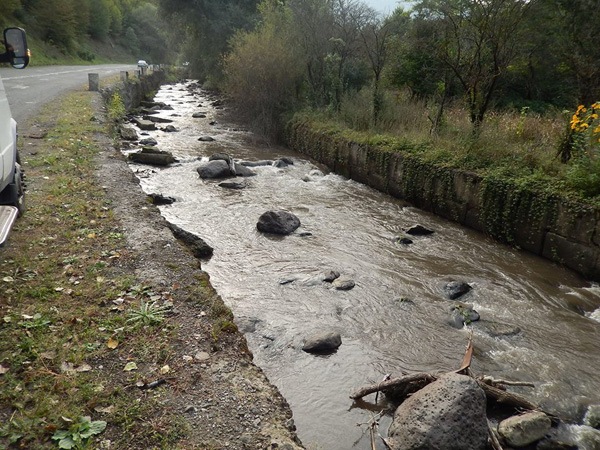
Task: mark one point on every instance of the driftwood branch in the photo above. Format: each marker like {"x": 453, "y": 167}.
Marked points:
{"x": 494, "y": 382}
{"x": 468, "y": 356}
{"x": 393, "y": 383}
{"x": 492, "y": 434}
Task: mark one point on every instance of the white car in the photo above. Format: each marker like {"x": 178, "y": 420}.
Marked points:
{"x": 142, "y": 64}
{"x": 12, "y": 192}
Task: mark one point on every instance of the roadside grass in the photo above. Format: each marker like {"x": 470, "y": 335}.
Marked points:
{"x": 66, "y": 297}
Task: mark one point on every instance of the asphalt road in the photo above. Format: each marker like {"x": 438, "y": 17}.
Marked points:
{"x": 31, "y": 88}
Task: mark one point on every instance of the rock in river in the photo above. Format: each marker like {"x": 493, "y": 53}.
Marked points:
{"x": 148, "y": 141}
{"x": 278, "y": 222}
{"x": 214, "y": 169}
{"x": 322, "y": 342}
{"x": 232, "y": 185}
{"x": 152, "y": 156}
{"x": 524, "y": 429}
{"x": 128, "y": 133}
{"x": 462, "y": 313}
{"x": 197, "y": 246}
{"x": 449, "y": 413}
{"x": 455, "y": 289}
{"x": 343, "y": 284}
{"x": 419, "y": 230}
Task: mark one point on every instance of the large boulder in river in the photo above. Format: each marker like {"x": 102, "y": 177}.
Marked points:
{"x": 214, "y": 169}
{"x": 197, "y": 246}
{"x": 322, "y": 342}
{"x": 278, "y": 222}
{"x": 449, "y": 413}
{"x": 525, "y": 429}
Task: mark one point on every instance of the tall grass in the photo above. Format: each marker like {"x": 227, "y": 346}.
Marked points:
{"x": 518, "y": 144}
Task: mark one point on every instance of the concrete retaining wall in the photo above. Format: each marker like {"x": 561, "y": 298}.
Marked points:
{"x": 134, "y": 90}
{"x": 557, "y": 228}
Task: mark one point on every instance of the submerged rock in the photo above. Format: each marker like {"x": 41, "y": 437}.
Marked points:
{"x": 449, "y": 413}
{"x": 206, "y": 139}
{"x": 403, "y": 240}
{"x": 322, "y": 342}
{"x": 524, "y": 429}
{"x": 497, "y": 329}
{"x": 199, "y": 115}
{"x": 232, "y": 185}
{"x": 278, "y": 222}
{"x": 144, "y": 124}
{"x": 170, "y": 129}
{"x": 157, "y": 119}
{"x": 257, "y": 163}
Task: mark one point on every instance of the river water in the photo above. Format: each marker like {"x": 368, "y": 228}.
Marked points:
{"x": 549, "y": 311}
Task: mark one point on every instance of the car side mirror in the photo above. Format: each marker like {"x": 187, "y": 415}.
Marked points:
{"x": 15, "y": 41}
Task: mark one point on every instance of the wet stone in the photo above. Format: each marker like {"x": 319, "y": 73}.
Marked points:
{"x": 456, "y": 289}
{"x": 206, "y": 139}
{"x": 343, "y": 284}
{"x": 148, "y": 141}
{"x": 419, "y": 230}
{"x": 232, "y": 185}
{"x": 322, "y": 342}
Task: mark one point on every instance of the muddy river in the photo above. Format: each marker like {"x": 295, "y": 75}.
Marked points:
{"x": 539, "y": 322}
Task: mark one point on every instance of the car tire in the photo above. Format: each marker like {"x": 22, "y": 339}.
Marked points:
{"x": 16, "y": 190}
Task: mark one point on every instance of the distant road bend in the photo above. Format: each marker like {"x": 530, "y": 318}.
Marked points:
{"x": 31, "y": 88}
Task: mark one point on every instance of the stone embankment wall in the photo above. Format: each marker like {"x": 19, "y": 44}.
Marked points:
{"x": 134, "y": 90}
{"x": 559, "y": 229}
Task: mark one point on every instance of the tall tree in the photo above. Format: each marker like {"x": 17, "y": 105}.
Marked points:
{"x": 476, "y": 40}
{"x": 209, "y": 24}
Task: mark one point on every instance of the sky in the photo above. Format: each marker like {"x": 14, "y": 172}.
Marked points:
{"x": 386, "y": 6}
